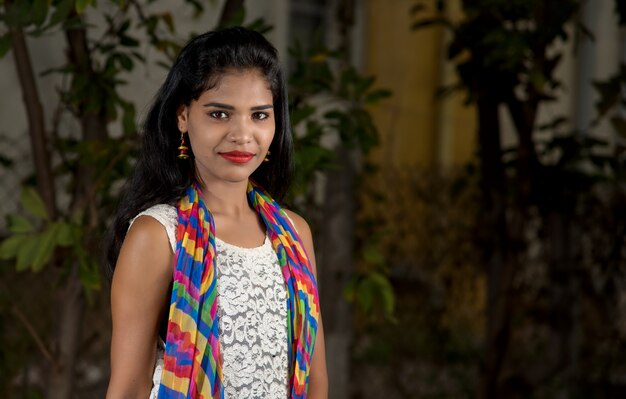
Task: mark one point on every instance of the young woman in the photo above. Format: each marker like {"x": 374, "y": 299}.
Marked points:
{"x": 213, "y": 289}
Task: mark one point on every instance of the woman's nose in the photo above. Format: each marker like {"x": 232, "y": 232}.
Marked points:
{"x": 241, "y": 131}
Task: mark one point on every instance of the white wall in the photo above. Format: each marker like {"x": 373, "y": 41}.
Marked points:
{"x": 584, "y": 61}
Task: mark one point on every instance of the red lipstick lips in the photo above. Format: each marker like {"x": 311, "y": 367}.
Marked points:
{"x": 237, "y": 156}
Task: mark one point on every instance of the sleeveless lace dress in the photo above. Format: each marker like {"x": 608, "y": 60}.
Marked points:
{"x": 252, "y": 316}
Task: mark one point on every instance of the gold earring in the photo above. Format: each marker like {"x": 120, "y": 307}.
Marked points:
{"x": 267, "y": 159}
{"x": 182, "y": 148}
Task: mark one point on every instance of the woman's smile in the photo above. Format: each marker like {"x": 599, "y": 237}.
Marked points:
{"x": 239, "y": 157}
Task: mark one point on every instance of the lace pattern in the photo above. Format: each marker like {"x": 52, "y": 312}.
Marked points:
{"x": 253, "y": 317}
{"x": 253, "y": 321}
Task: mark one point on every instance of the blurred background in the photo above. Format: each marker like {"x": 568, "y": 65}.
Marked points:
{"x": 461, "y": 163}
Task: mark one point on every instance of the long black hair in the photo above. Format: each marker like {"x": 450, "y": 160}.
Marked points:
{"x": 159, "y": 176}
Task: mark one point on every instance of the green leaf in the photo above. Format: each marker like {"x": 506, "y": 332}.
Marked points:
{"x": 349, "y": 293}
{"x": 197, "y": 5}
{"x": 123, "y": 28}
{"x": 27, "y": 252}
{"x": 371, "y": 291}
{"x": 10, "y": 247}
{"x": 362, "y": 85}
{"x": 338, "y": 115}
{"x": 126, "y": 62}
{"x": 128, "y": 119}
{"x": 138, "y": 56}
{"x": 19, "y": 224}
{"x": 6, "y": 162}
{"x": 164, "y": 64}
{"x": 18, "y": 15}
{"x": 65, "y": 234}
{"x": 376, "y": 95}
{"x": 39, "y": 12}
{"x": 301, "y": 113}
{"x": 88, "y": 273}
{"x": 365, "y": 295}
{"x": 81, "y": 5}
{"x": 151, "y": 24}
{"x": 32, "y": 202}
{"x": 385, "y": 292}
{"x": 45, "y": 247}
{"x": 5, "y": 44}
{"x": 609, "y": 93}
{"x": 372, "y": 255}
{"x": 417, "y": 8}
{"x": 61, "y": 12}
{"x": 128, "y": 41}
{"x": 168, "y": 20}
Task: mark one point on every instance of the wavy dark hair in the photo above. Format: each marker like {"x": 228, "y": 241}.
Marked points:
{"x": 159, "y": 176}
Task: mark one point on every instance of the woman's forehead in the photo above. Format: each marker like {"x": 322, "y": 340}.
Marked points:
{"x": 215, "y": 81}
{"x": 241, "y": 87}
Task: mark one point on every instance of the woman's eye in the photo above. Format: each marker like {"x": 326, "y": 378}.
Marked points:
{"x": 218, "y": 115}
{"x": 260, "y": 115}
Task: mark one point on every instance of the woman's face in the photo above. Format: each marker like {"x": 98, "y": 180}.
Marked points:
{"x": 230, "y": 126}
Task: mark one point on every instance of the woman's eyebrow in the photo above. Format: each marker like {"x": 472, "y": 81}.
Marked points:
{"x": 219, "y": 105}
{"x": 230, "y": 107}
{"x": 261, "y": 107}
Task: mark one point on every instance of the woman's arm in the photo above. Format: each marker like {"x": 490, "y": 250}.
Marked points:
{"x": 318, "y": 377}
{"x": 141, "y": 281}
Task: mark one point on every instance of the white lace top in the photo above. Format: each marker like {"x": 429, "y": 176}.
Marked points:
{"x": 252, "y": 312}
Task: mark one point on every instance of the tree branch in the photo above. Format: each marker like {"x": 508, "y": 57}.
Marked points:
{"x": 94, "y": 124}
{"x": 154, "y": 38}
{"x": 31, "y": 330}
{"x": 35, "y": 115}
{"x": 33, "y": 333}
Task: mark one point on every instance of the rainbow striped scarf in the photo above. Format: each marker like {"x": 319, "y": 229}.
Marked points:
{"x": 192, "y": 362}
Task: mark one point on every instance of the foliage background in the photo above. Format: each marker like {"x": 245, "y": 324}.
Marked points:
{"x": 500, "y": 279}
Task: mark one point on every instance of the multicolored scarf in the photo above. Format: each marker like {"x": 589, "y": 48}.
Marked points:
{"x": 192, "y": 362}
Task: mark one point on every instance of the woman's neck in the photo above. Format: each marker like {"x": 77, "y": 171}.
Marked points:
{"x": 226, "y": 198}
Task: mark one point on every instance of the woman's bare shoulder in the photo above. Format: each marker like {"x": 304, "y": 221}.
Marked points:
{"x": 299, "y": 222}
{"x": 146, "y": 253}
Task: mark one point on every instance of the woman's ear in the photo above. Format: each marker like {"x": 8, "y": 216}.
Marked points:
{"x": 182, "y": 114}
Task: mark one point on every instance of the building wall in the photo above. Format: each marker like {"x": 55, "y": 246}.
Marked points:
{"x": 419, "y": 129}
{"x": 416, "y": 126}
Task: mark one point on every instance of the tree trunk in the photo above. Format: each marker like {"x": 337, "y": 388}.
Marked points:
{"x": 36, "y": 121}
{"x": 565, "y": 292}
{"x": 492, "y": 235}
{"x": 61, "y": 379}
{"x": 335, "y": 267}
{"x": 93, "y": 123}
{"x": 337, "y": 229}
{"x": 523, "y": 115}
